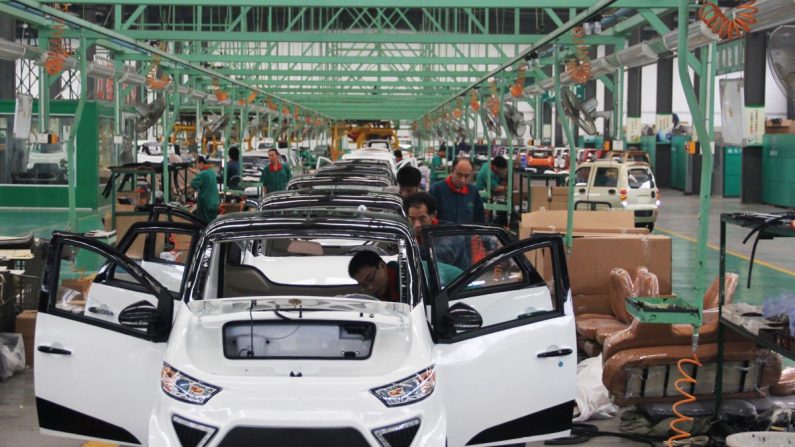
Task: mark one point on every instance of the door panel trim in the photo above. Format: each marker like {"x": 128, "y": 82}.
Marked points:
{"x": 550, "y": 420}
{"x": 62, "y": 419}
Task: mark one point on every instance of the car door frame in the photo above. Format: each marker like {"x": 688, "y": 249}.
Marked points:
{"x": 55, "y": 414}
{"x": 170, "y": 211}
{"x": 556, "y": 415}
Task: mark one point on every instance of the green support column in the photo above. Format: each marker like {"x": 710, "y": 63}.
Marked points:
{"x": 705, "y": 138}
{"x": 171, "y": 119}
{"x": 572, "y": 149}
{"x": 71, "y": 156}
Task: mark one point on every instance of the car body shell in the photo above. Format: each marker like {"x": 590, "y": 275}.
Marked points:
{"x": 185, "y": 329}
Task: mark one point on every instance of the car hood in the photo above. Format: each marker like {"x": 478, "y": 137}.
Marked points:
{"x": 328, "y": 330}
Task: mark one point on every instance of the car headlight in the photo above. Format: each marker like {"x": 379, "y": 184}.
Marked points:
{"x": 185, "y": 388}
{"x": 409, "y": 390}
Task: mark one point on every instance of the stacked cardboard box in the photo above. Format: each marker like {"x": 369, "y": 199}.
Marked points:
{"x": 602, "y": 241}
{"x": 26, "y": 325}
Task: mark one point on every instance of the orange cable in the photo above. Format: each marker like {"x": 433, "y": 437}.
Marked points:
{"x": 688, "y": 398}
{"x": 724, "y": 26}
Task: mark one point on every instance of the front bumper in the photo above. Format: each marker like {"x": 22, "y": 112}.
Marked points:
{"x": 310, "y": 418}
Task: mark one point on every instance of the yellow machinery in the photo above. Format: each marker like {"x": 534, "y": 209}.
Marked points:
{"x": 184, "y": 135}
{"x": 360, "y": 134}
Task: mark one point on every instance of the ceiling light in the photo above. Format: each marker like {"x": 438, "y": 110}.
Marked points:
{"x": 100, "y": 70}
{"x": 182, "y": 90}
{"x": 772, "y": 13}
{"x": 637, "y": 55}
{"x": 698, "y": 35}
{"x": 11, "y": 51}
{"x": 131, "y": 77}
{"x": 601, "y": 67}
{"x": 195, "y": 94}
{"x": 68, "y": 62}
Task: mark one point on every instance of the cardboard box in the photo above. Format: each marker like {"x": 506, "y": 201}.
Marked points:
{"x": 584, "y": 222}
{"x": 25, "y": 324}
{"x": 602, "y": 241}
{"x": 779, "y": 126}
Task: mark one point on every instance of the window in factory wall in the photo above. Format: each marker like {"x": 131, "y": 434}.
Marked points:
{"x": 26, "y": 163}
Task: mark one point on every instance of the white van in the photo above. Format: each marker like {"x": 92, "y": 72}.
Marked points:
{"x": 609, "y": 184}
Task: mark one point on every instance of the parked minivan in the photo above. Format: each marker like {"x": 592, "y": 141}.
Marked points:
{"x": 608, "y": 184}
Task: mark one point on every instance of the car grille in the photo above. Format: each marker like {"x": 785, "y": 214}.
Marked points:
{"x": 402, "y": 438}
{"x": 191, "y": 434}
{"x": 304, "y": 437}
{"x": 644, "y": 213}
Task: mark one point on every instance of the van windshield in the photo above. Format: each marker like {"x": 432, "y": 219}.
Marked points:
{"x": 640, "y": 178}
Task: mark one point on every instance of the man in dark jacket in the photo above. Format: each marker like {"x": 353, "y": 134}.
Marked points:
{"x": 459, "y": 200}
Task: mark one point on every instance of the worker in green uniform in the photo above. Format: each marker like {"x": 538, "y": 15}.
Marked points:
{"x": 206, "y": 186}
{"x": 499, "y": 172}
{"x": 276, "y": 175}
{"x": 439, "y": 165}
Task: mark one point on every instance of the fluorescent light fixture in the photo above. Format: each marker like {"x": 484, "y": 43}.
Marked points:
{"x": 11, "y": 51}
{"x": 601, "y": 67}
{"x": 132, "y": 77}
{"x": 565, "y": 78}
{"x": 532, "y": 90}
{"x": 184, "y": 91}
{"x": 637, "y": 55}
{"x": 68, "y": 63}
{"x": 211, "y": 100}
{"x": 698, "y": 35}
{"x": 100, "y": 70}
{"x": 772, "y": 13}
{"x": 225, "y": 102}
{"x": 195, "y": 94}
{"x": 547, "y": 84}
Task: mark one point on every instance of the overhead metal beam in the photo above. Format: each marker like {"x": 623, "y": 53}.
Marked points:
{"x": 592, "y": 10}
{"x": 370, "y": 37}
{"x": 454, "y": 4}
{"x": 275, "y": 59}
{"x": 22, "y": 7}
{"x": 254, "y": 73}
{"x": 358, "y": 83}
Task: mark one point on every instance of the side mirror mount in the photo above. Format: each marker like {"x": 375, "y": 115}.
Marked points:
{"x": 144, "y": 316}
{"x": 461, "y": 318}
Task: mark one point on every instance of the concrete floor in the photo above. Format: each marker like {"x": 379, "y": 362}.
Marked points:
{"x": 678, "y": 218}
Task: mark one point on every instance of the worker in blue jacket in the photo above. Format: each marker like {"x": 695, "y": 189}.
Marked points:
{"x": 459, "y": 200}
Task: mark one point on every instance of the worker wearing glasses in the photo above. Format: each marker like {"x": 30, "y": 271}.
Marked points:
{"x": 378, "y": 278}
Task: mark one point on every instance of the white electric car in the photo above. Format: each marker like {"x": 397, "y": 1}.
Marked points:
{"x": 251, "y": 333}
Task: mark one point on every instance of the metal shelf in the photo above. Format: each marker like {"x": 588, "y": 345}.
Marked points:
{"x": 759, "y": 340}
{"x": 663, "y": 310}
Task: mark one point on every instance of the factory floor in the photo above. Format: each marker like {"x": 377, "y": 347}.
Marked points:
{"x": 773, "y": 274}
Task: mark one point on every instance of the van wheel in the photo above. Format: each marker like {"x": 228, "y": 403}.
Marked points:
{"x": 650, "y": 226}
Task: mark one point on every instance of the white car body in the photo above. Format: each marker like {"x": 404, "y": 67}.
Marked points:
{"x": 152, "y": 151}
{"x": 141, "y": 356}
{"x": 378, "y": 154}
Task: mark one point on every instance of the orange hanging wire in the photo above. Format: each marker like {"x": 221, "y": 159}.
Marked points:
{"x": 474, "y": 104}
{"x": 493, "y": 102}
{"x": 152, "y": 81}
{"x": 579, "y": 69}
{"x": 220, "y": 95}
{"x": 724, "y": 26}
{"x": 517, "y": 89}
{"x": 57, "y": 54}
{"x": 688, "y": 398}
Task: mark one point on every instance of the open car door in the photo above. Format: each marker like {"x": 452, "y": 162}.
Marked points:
{"x": 505, "y": 335}
{"x": 102, "y": 328}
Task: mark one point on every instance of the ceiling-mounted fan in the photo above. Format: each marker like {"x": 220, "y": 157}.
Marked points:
{"x": 583, "y": 113}
{"x": 149, "y": 113}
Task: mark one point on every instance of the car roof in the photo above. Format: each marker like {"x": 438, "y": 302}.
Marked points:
{"x": 302, "y": 219}
{"x": 309, "y": 198}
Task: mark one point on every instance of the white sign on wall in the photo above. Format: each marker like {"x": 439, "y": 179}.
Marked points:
{"x": 634, "y": 126}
